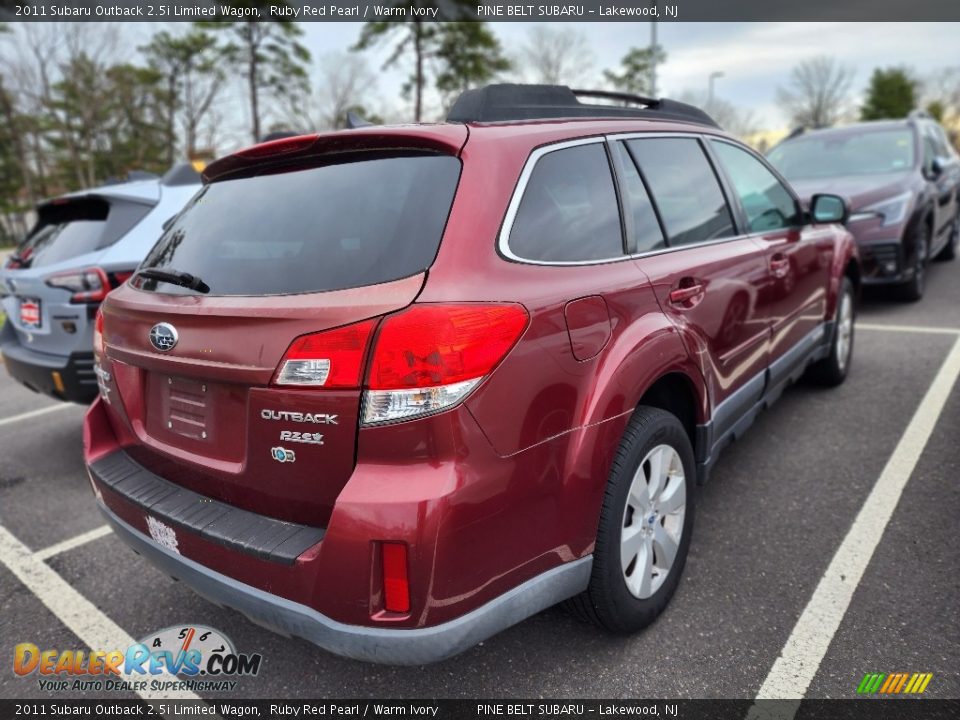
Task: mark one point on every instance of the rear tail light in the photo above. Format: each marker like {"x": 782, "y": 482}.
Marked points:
{"x": 430, "y": 357}
{"x": 88, "y": 286}
{"x": 98, "y": 335}
{"x": 425, "y": 359}
{"x": 333, "y": 358}
{"x": 396, "y": 582}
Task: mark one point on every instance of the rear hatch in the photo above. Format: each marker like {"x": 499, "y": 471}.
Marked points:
{"x": 48, "y": 279}
{"x": 284, "y": 249}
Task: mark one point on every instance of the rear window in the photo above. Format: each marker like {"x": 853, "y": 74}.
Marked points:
{"x": 685, "y": 188}
{"x": 569, "y": 209}
{"x": 69, "y": 228}
{"x": 360, "y": 222}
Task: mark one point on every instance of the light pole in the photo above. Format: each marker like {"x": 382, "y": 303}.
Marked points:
{"x": 710, "y": 80}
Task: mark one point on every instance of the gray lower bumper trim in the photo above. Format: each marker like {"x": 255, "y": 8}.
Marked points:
{"x": 396, "y": 647}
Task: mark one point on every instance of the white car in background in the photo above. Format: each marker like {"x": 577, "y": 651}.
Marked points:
{"x": 82, "y": 246}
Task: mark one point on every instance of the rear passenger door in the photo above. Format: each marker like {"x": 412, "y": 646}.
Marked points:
{"x": 707, "y": 278}
{"x": 793, "y": 300}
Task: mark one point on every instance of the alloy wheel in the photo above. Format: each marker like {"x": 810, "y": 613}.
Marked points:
{"x": 844, "y": 330}
{"x": 653, "y": 521}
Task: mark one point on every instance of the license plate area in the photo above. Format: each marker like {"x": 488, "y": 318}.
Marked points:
{"x": 30, "y": 316}
{"x": 187, "y": 407}
{"x": 199, "y": 416}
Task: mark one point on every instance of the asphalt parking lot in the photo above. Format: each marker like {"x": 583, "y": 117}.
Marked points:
{"x": 780, "y": 504}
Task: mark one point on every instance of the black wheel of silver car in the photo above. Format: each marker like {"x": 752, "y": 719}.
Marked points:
{"x": 912, "y": 290}
{"x": 832, "y": 370}
{"x": 645, "y": 525}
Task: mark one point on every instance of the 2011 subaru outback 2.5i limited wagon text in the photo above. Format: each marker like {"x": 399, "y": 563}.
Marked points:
{"x": 395, "y": 389}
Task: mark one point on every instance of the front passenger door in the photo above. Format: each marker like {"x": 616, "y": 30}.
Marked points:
{"x": 798, "y": 258}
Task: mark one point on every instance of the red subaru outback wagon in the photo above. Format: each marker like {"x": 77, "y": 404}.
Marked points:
{"x": 394, "y": 389}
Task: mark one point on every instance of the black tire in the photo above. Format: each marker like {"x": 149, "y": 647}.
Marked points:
{"x": 912, "y": 290}
{"x": 607, "y": 601}
{"x": 832, "y": 370}
{"x": 949, "y": 252}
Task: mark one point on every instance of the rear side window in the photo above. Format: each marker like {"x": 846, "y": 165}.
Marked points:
{"x": 569, "y": 209}
{"x": 766, "y": 202}
{"x": 350, "y": 224}
{"x": 69, "y": 228}
{"x": 646, "y": 228}
{"x": 685, "y": 189}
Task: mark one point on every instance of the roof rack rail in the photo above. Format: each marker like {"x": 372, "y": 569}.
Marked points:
{"x": 510, "y": 102}
{"x": 616, "y": 95}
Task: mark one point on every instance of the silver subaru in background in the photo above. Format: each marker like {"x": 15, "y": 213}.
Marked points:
{"x": 82, "y": 246}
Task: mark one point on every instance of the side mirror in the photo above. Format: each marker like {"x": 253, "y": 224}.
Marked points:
{"x": 937, "y": 167}
{"x": 825, "y": 209}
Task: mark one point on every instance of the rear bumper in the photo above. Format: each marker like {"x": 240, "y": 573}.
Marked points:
{"x": 40, "y": 371}
{"x": 373, "y": 644}
{"x": 477, "y": 561}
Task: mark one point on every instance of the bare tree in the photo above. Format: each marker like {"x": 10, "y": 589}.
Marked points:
{"x": 345, "y": 83}
{"x": 556, "y": 57}
{"x": 39, "y": 57}
{"x": 739, "y": 122}
{"x": 818, "y": 93}
{"x": 943, "y": 87}
{"x": 191, "y": 67}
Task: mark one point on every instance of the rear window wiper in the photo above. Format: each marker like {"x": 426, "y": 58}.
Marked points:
{"x": 175, "y": 277}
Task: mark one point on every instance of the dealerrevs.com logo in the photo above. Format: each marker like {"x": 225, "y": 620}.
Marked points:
{"x": 182, "y": 657}
{"x": 894, "y": 683}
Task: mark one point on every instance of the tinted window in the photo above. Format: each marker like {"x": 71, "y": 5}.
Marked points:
{"x": 844, "y": 152}
{"x": 323, "y": 228}
{"x": 685, "y": 189}
{"x": 72, "y": 227}
{"x": 944, "y": 141}
{"x": 767, "y": 203}
{"x": 646, "y": 229}
{"x": 569, "y": 209}
{"x": 53, "y": 243}
{"x": 937, "y": 138}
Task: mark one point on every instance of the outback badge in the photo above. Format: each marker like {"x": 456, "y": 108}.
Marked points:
{"x": 281, "y": 454}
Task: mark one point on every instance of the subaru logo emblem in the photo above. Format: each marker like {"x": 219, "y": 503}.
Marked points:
{"x": 163, "y": 337}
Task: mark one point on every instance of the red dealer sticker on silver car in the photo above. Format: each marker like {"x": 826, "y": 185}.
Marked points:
{"x": 30, "y": 313}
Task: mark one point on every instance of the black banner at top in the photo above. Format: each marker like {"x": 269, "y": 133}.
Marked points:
{"x": 491, "y": 11}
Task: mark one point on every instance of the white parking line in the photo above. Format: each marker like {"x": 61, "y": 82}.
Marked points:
{"x": 35, "y": 413}
{"x": 82, "y": 617}
{"x": 71, "y": 543}
{"x": 794, "y": 669}
{"x": 909, "y": 329}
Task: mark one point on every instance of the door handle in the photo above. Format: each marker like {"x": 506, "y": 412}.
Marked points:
{"x": 685, "y": 294}
{"x": 779, "y": 265}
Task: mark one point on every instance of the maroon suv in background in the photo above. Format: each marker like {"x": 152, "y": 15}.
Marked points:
{"x": 394, "y": 389}
{"x": 902, "y": 180}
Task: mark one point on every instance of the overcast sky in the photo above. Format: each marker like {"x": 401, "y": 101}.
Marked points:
{"x": 754, "y": 57}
